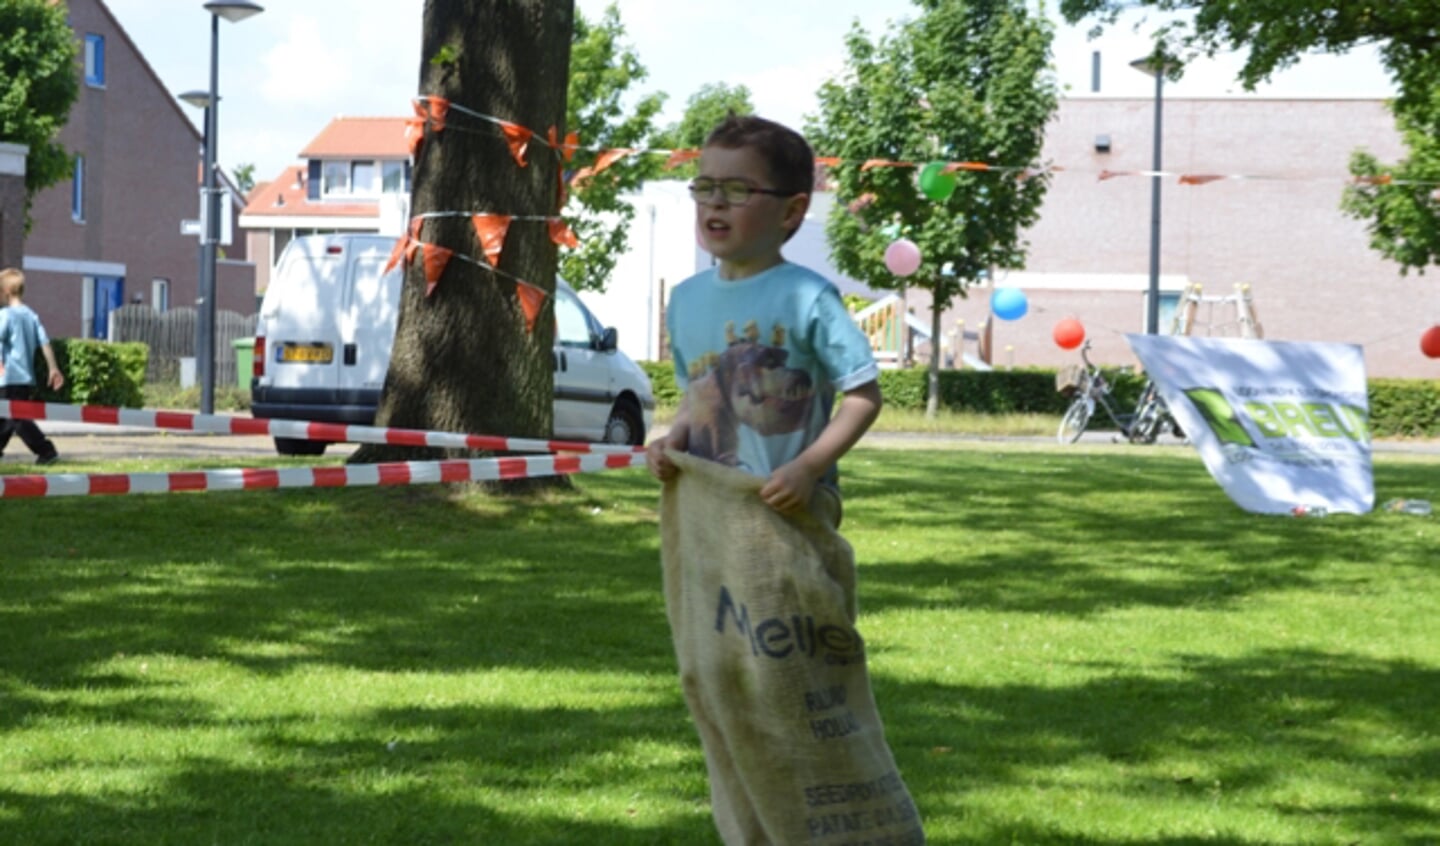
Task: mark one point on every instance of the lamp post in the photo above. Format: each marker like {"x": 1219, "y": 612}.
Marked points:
{"x": 200, "y": 99}
{"x": 233, "y": 11}
{"x": 1156, "y": 65}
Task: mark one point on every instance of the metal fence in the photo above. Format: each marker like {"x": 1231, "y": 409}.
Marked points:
{"x": 170, "y": 336}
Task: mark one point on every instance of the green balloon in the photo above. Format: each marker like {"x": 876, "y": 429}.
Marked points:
{"x": 936, "y": 183}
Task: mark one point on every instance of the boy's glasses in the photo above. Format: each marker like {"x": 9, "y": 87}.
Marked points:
{"x": 735, "y": 192}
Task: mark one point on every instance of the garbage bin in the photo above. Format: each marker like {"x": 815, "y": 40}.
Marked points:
{"x": 244, "y": 361}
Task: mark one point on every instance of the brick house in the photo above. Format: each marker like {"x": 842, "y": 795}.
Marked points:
{"x": 355, "y": 177}
{"x": 1311, "y": 273}
{"x": 112, "y": 234}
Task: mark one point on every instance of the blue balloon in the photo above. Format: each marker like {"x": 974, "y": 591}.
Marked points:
{"x": 1009, "y": 303}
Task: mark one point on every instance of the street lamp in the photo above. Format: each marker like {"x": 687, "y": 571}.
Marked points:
{"x": 1156, "y": 65}
{"x": 233, "y": 11}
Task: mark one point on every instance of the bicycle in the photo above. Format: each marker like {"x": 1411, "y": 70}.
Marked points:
{"x": 1091, "y": 389}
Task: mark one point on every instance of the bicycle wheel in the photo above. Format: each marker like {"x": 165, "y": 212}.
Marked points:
{"x": 1072, "y": 425}
{"x": 1148, "y": 417}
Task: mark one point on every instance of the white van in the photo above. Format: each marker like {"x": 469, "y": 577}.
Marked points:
{"x": 327, "y": 325}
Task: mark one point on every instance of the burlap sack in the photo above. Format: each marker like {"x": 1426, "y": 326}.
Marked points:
{"x": 762, "y": 611}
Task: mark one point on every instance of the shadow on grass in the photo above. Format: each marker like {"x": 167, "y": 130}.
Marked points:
{"x": 414, "y": 580}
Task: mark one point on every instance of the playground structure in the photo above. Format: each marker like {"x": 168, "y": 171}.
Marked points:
{"x": 894, "y": 332}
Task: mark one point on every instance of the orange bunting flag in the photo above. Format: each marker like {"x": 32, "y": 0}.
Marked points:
{"x": 412, "y": 243}
{"x": 874, "y": 163}
{"x": 491, "y": 229}
{"x": 1377, "y": 179}
{"x": 828, "y": 161}
{"x": 1199, "y": 178}
{"x": 679, "y": 157}
{"x": 561, "y": 234}
{"x": 1111, "y": 174}
{"x": 566, "y": 150}
{"x": 518, "y": 137}
{"x": 439, "y": 107}
{"x": 414, "y": 135}
{"x": 603, "y": 161}
{"x": 954, "y": 166}
{"x": 436, "y": 257}
{"x": 531, "y": 298}
{"x": 395, "y": 254}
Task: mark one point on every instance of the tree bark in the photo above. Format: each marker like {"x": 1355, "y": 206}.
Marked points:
{"x": 463, "y": 360}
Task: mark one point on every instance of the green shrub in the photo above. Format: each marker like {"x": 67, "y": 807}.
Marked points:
{"x": 662, "y": 380}
{"x": 1404, "y": 408}
{"x": 96, "y": 372}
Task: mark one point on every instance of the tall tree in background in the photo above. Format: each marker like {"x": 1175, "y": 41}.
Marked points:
{"x": 463, "y": 360}
{"x": 38, "y": 85}
{"x": 966, "y": 81}
{"x": 703, "y": 112}
{"x": 1400, "y": 201}
{"x": 602, "y": 71}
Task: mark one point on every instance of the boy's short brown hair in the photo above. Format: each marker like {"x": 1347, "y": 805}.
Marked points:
{"x": 786, "y": 153}
{"x": 12, "y": 281}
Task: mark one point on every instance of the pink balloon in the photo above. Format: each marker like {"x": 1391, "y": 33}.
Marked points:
{"x": 902, "y": 257}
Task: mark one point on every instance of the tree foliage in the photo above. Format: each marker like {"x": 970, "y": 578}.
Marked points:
{"x": 602, "y": 71}
{"x": 1403, "y": 212}
{"x": 967, "y": 81}
{"x": 704, "y": 111}
{"x": 38, "y": 85}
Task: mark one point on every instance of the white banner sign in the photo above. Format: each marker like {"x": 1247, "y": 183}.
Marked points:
{"x": 1280, "y": 425}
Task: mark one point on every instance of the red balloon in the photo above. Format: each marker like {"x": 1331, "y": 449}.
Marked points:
{"x": 1069, "y": 333}
{"x": 1430, "y": 342}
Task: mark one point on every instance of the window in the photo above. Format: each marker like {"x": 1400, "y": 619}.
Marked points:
{"x": 335, "y": 178}
{"x": 95, "y": 60}
{"x": 572, "y": 322}
{"x": 77, "y": 191}
{"x": 392, "y": 175}
{"x": 160, "y": 294}
{"x": 362, "y": 178}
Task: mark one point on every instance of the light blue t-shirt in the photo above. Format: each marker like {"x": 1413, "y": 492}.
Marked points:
{"x": 21, "y": 334}
{"x": 760, "y": 360}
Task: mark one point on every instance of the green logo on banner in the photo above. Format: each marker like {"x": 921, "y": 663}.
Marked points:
{"x": 1220, "y": 415}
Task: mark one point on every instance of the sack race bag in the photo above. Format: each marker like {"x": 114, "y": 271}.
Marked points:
{"x": 762, "y": 612}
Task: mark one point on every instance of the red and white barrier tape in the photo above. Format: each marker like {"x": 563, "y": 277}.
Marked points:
{"x": 304, "y": 430}
{"x": 356, "y": 475}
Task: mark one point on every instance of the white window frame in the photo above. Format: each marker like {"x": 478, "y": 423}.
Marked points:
{"x": 160, "y": 294}
{"x": 327, "y": 186}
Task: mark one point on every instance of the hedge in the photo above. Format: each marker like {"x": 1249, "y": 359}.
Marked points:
{"x": 1398, "y": 407}
{"x": 96, "y": 372}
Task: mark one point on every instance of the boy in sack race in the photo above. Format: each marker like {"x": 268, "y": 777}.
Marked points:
{"x": 759, "y": 585}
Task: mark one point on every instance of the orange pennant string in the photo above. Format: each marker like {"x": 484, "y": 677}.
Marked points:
{"x": 395, "y": 254}
{"x": 531, "y": 298}
{"x": 436, "y": 257}
{"x": 491, "y": 229}
{"x": 518, "y": 137}
{"x": 561, "y": 234}
{"x": 412, "y": 243}
{"x": 414, "y": 135}
{"x": 1378, "y": 179}
{"x": 439, "y": 107}
{"x": 954, "y": 166}
{"x": 603, "y": 161}
{"x": 828, "y": 161}
{"x": 1199, "y": 178}
{"x": 572, "y": 143}
{"x": 679, "y": 157}
{"x": 1111, "y": 174}
{"x": 871, "y": 164}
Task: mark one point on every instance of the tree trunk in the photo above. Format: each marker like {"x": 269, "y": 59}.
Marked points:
{"x": 463, "y": 360}
{"x": 932, "y": 402}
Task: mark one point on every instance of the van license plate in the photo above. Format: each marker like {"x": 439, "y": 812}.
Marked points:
{"x": 306, "y": 353}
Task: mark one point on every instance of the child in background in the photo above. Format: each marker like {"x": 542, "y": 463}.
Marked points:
{"x": 21, "y": 335}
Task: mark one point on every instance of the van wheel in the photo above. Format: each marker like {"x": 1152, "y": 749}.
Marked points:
{"x": 625, "y": 425}
{"x": 299, "y": 446}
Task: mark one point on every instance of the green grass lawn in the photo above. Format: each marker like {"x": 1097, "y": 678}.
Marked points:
{"x": 1069, "y": 645}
